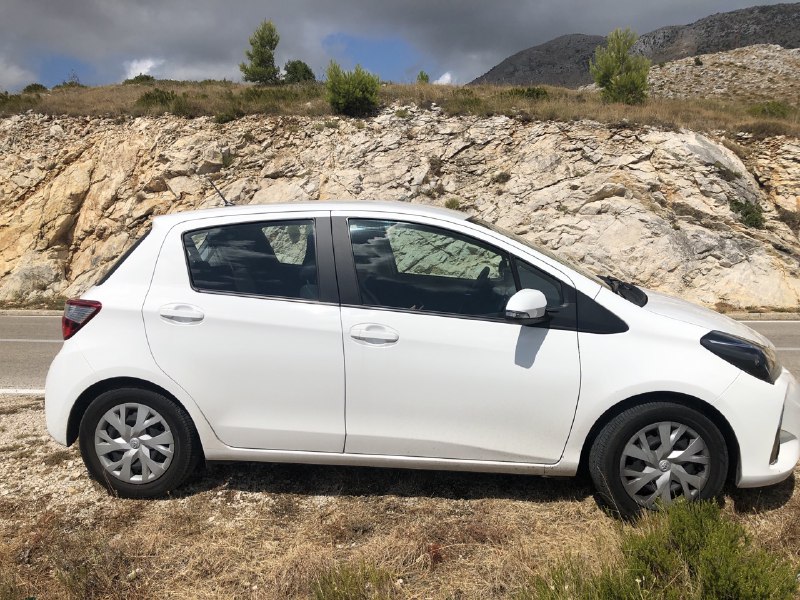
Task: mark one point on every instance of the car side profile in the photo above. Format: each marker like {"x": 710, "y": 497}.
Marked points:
{"x": 399, "y": 335}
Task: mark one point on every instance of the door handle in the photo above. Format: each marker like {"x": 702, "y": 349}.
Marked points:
{"x": 181, "y": 313}
{"x": 372, "y": 333}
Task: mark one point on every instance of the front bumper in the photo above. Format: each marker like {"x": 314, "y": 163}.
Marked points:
{"x": 776, "y": 412}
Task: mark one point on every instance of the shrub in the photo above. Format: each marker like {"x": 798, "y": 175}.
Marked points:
{"x": 689, "y": 551}
{"x": 15, "y": 103}
{"x": 140, "y": 78}
{"x": 698, "y": 61}
{"x": 621, "y": 76}
{"x": 261, "y": 56}
{"x": 452, "y": 203}
{"x": 353, "y": 93}
{"x": 34, "y": 88}
{"x": 72, "y": 81}
{"x": 750, "y": 213}
{"x": 773, "y": 108}
{"x": 298, "y": 72}
{"x": 501, "y": 177}
{"x": 531, "y": 93}
{"x": 423, "y": 77}
{"x": 156, "y": 98}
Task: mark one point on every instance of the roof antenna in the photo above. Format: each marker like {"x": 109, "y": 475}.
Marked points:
{"x": 225, "y": 201}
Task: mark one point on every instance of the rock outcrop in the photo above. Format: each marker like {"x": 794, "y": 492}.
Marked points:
{"x": 646, "y": 205}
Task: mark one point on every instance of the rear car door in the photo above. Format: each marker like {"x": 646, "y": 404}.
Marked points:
{"x": 433, "y": 368}
{"x": 243, "y": 314}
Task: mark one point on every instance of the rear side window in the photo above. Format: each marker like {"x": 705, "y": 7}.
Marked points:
{"x": 277, "y": 258}
{"x": 122, "y": 259}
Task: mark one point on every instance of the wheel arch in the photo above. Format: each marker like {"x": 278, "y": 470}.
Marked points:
{"x": 100, "y": 387}
{"x": 701, "y": 406}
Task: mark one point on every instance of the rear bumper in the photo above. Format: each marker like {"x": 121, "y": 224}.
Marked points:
{"x": 757, "y": 443}
{"x": 66, "y": 380}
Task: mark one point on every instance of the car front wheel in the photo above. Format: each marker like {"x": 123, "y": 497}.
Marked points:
{"x": 138, "y": 443}
{"x": 651, "y": 454}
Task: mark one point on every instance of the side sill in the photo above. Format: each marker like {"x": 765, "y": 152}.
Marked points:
{"x": 374, "y": 460}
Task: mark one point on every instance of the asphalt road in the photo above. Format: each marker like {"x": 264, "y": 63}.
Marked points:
{"x": 29, "y": 343}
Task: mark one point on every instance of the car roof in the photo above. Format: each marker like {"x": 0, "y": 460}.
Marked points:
{"x": 346, "y": 205}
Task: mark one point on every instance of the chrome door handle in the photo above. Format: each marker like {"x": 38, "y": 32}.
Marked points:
{"x": 372, "y": 333}
{"x": 181, "y": 313}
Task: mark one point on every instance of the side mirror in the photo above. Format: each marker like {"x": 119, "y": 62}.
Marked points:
{"x": 527, "y": 307}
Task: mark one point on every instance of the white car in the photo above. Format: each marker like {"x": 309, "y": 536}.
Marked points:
{"x": 398, "y": 335}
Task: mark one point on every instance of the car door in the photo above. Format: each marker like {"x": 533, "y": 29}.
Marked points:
{"x": 243, "y": 314}
{"x": 433, "y": 369}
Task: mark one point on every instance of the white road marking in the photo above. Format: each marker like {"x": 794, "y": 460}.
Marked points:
{"x": 779, "y": 321}
{"x": 21, "y": 391}
{"x": 788, "y": 349}
{"x": 26, "y": 341}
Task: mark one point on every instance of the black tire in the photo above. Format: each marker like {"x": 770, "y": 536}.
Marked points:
{"x": 186, "y": 447}
{"x": 607, "y": 449}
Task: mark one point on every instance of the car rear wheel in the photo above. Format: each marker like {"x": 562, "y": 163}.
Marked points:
{"x": 138, "y": 443}
{"x": 652, "y": 454}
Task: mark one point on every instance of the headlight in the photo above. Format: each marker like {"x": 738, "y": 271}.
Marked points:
{"x": 752, "y": 358}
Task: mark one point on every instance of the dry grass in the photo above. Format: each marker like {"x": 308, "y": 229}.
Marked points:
{"x": 295, "y": 531}
{"x": 226, "y": 101}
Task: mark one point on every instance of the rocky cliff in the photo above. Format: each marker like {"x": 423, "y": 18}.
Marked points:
{"x": 646, "y": 205}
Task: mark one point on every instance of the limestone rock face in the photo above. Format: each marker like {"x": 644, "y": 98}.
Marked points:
{"x": 649, "y": 206}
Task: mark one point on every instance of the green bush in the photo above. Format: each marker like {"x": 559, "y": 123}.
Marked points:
{"x": 15, "y": 103}
{"x": 353, "y": 93}
{"x": 298, "y": 72}
{"x": 34, "y": 88}
{"x": 773, "y": 108}
{"x": 690, "y": 551}
{"x": 750, "y": 213}
{"x": 156, "y": 98}
{"x": 139, "y": 79}
{"x": 423, "y": 77}
{"x": 531, "y": 93}
{"x": 698, "y": 62}
{"x": 621, "y": 76}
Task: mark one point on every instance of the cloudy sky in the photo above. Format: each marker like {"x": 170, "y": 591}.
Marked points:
{"x": 105, "y": 41}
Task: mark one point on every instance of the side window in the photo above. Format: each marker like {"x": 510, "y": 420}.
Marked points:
{"x": 534, "y": 279}
{"x": 418, "y": 267}
{"x": 263, "y": 259}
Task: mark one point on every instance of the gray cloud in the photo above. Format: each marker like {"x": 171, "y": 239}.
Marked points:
{"x": 206, "y": 38}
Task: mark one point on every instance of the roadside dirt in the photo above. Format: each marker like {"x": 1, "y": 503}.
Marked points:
{"x": 269, "y": 531}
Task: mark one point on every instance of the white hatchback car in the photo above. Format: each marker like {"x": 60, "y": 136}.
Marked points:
{"x": 398, "y": 335}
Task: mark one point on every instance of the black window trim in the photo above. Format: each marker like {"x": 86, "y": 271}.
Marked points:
{"x": 575, "y": 301}
{"x": 326, "y": 270}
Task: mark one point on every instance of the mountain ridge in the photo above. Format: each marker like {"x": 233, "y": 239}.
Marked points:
{"x": 564, "y": 61}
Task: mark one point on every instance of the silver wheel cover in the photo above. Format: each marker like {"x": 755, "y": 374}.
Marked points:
{"x": 663, "y": 461}
{"x": 134, "y": 443}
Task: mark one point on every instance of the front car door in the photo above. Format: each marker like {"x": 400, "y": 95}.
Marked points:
{"x": 243, "y": 314}
{"x": 433, "y": 369}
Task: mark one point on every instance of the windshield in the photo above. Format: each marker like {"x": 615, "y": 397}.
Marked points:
{"x": 559, "y": 259}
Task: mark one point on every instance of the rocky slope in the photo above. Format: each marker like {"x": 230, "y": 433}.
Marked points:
{"x": 752, "y": 74}
{"x": 647, "y": 205}
{"x": 564, "y": 61}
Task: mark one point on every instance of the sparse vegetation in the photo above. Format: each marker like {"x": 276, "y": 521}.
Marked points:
{"x": 353, "y": 582}
{"x": 72, "y": 81}
{"x": 774, "y": 109}
{"x": 353, "y": 93}
{"x": 691, "y": 552}
{"x": 401, "y": 113}
{"x": 529, "y": 93}
{"x": 621, "y": 75}
{"x": 156, "y": 98}
{"x": 698, "y": 62}
{"x": 452, "y": 203}
{"x": 502, "y": 177}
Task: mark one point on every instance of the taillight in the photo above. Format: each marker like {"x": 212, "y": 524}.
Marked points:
{"x": 78, "y": 313}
